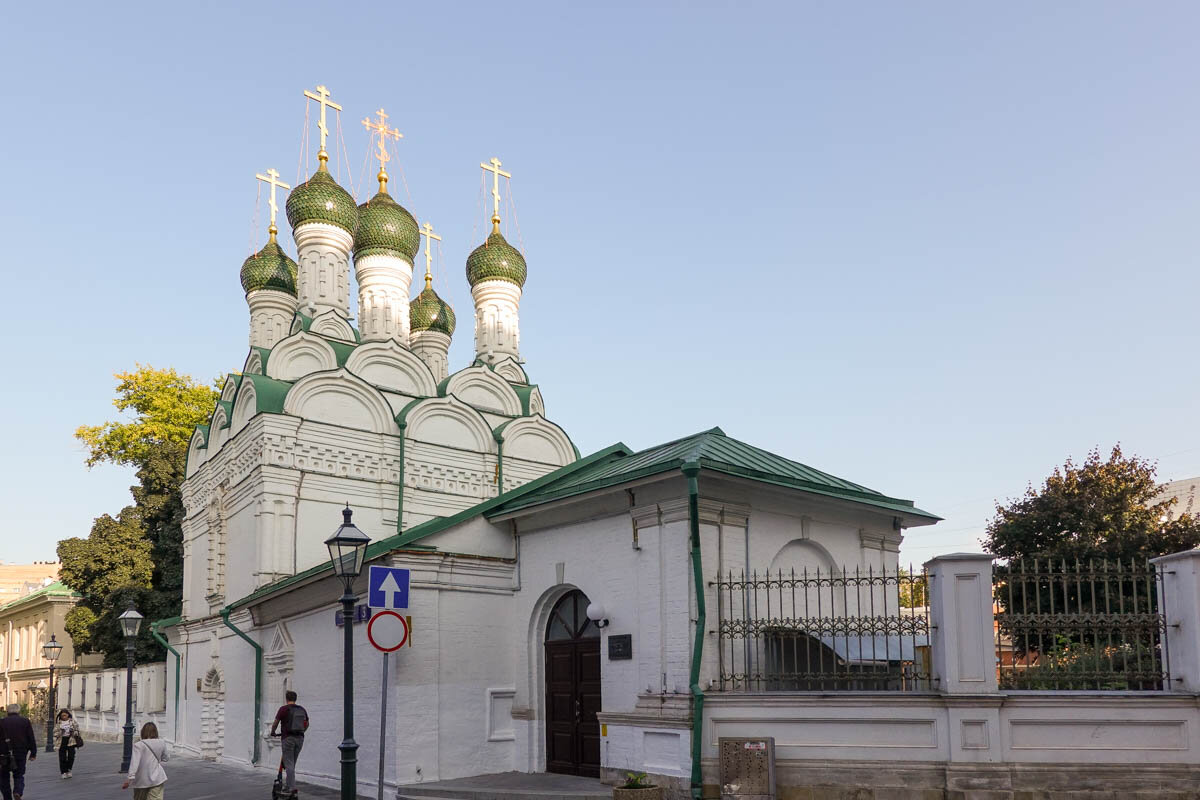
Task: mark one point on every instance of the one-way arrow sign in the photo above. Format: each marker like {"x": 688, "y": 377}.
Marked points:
{"x": 388, "y": 588}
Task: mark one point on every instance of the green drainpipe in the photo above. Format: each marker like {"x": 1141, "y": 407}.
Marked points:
{"x": 691, "y": 470}
{"x": 257, "y": 681}
{"x": 158, "y": 637}
{"x": 499, "y": 462}
{"x": 400, "y": 488}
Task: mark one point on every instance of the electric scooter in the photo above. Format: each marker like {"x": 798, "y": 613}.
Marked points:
{"x": 278, "y": 792}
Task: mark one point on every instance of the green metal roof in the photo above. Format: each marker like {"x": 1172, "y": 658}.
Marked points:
{"x": 56, "y": 589}
{"x": 714, "y": 451}
{"x": 269, "y": 393}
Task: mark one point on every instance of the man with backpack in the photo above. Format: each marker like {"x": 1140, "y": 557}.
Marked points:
{"x": 294, "y": 722}
{"x": 17, "y": 741}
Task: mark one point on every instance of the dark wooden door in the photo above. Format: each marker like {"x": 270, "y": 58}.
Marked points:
{"x": 572, "y": 689}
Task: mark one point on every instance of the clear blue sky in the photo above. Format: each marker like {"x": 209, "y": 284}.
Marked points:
{"x": 934, "y": 248}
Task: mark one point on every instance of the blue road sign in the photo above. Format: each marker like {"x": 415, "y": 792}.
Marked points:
{"x": 388, "y": 588}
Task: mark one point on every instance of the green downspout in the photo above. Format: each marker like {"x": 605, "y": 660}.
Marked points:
{"x": 158, "y": 637}
{"x": 400, "y": 488}
{"x": 257, "y": 681}
{"x": 691, "y": 470}
{"x": 499, "y": 462}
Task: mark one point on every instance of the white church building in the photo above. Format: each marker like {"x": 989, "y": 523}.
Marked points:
{"x": 459, "y": 474}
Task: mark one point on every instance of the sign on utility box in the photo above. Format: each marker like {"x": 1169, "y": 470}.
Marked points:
{"x": 387, "y": 588}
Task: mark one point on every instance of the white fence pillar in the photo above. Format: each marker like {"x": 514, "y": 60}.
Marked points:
{"x": 960, "y": 611}
{"x": 1179, "y": 597}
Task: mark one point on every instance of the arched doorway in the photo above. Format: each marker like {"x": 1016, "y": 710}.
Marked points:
{"x": 572, "y": 689}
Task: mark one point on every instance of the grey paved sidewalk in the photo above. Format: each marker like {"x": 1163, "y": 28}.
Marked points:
{"x": 188, "y": 778}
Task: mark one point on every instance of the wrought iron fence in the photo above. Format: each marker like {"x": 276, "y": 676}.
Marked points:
{"x": 1078, "y": 626}
{"x": 817, "y": 630}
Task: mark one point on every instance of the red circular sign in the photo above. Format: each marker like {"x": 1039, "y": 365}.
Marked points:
{"x": 387, "y": 631}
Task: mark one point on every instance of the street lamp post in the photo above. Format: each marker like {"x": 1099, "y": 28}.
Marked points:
{"x": 347, "y": 549}
{"x": 130, "y": 622}
{"x": 50, "y": 650}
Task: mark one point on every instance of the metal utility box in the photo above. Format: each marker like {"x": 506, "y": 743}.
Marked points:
{"x": 747, "y": 768}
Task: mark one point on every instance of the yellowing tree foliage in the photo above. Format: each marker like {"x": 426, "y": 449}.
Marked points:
{"x": 136, "y": 557}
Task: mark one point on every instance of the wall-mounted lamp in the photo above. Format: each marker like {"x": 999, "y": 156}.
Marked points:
{"x": 595, "y": 612}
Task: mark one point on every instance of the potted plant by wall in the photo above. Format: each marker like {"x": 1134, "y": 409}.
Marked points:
{"x": 636, "y": 788}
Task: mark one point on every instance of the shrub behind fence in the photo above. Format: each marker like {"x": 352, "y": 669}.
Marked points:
{"x": 1079, "y": 626}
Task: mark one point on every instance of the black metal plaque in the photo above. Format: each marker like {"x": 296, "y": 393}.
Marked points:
{"x": 620, "y": 647}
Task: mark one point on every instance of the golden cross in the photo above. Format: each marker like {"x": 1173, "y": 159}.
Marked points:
{"x": 272, "y": 180}
{"x": 429, "y": 235}
{"x": 322, "y": 97}
{"x": 494, "y": 168}
{"x": 381, "y": 130}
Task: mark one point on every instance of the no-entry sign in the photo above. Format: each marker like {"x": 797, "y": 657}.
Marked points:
{"x": 387, "y": 631}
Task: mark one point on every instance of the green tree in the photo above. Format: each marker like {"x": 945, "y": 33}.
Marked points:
{"x": 1078, "y": 547}
{"x": 912, "y": 588}
{"x": 1101, "y": 509}
{"x": 136, "y": 558}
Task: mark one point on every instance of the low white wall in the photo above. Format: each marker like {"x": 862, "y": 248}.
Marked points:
{"x": 97, "y": 700}
{"x": 1049, "y": 728}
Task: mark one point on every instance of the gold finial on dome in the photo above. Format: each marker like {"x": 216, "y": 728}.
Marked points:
{"x": 380, "y": 131}
{"x": 322, "y": 97}
{"x": 494, "y": 167}
{"x": 272, "y": 180}
{"x": 427, "y": 232}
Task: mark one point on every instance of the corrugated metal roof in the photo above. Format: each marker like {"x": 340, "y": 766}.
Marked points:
{"x": 713, "y": 450}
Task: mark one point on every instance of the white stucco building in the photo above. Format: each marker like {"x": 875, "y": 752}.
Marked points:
{"x": 459, "y": 474}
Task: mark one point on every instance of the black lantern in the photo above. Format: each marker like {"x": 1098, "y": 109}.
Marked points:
{"x": 347, "y": 549}
{"x": 130, "y": 621}
{"x": 50, "y": 651}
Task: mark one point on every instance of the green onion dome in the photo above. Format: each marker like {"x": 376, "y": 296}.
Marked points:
{"x": 428, "y": 312}
{"x": 320, "y": 199}
{"x": 269, "y": 268}
{"x": 496, "y": 259}
{"x": 385, "y": 226}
